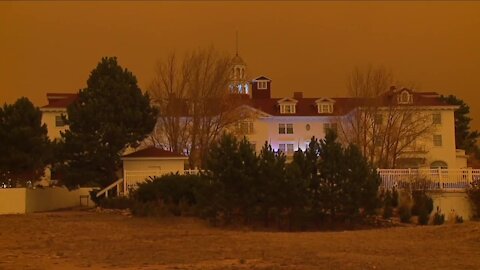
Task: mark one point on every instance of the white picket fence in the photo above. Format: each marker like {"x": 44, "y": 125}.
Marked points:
{"x": 430, "y": 179}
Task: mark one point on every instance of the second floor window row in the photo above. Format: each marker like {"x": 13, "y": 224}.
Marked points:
{"x": 285, "y": 128}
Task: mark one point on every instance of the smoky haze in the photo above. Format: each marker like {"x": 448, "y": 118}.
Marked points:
{"x": 301, "y": 46}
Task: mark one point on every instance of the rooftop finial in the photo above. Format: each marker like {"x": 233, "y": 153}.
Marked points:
{"x": 236, "y": 42}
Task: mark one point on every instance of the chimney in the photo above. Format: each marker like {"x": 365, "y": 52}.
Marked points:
{"x": 297, "y": 95}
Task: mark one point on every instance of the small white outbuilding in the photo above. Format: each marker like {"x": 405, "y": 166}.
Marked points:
{"x": 150, "y": 162}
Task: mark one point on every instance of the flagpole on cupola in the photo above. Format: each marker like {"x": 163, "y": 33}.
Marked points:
{"x": 236, "y": 42}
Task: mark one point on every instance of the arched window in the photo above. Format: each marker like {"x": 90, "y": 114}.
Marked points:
{"x": 404, "y": 98}
{"x": 439, "y": 164}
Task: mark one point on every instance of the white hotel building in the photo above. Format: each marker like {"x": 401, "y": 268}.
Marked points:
{"x": 289, "y": 123}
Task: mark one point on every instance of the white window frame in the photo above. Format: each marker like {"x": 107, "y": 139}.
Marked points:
{"x": 333, "y": 126}
{"x": 289, "y": 128}
{"x": 291, "y": 109}
{"x": 282, "y": 147}
{"x": 245, "y": 127}
{"x": 437, "y": 118}
{"x": 404, "y": 97}
{"x": 325, "y": 108}
{"x": 59, "y": 122}
{"x": 437, "y": 140}
{"x": 378, "y": 119}
{"x": 285, "y": 128}
{"x": 262, "y": 85}
{"x": 290, "y": 148}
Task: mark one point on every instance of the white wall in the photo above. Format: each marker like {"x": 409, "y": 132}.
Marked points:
{"x": 137, "y": 170}
{"x": 172, "y": 165}
{"x": 48, "y": 199}
{"x": 452, "y": 201}
{"x": 266, "y": 129}
{"x": 48, "y": 118}
{"x": 12, "y": 200}
{"x": 23, "y": 200}
{"x": 446, "y": 152}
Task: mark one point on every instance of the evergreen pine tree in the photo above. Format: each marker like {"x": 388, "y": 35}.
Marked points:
{"x": 110, "y": 115}
{"x": 24, "y": 145}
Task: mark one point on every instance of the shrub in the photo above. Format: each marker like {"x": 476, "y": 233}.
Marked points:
{"x": 387, "y": 205}
{"x": 394, "y": 197}
{"x": 438, "y": 218}
{"x": 422, "y": 203}
{"x": 405, "y": 213}
{"x": 169, "y": 188}
{"x": 458, "y": 219}
{"x": 422, "y": 206}
{"x": 174, "y": 193}
{"x": 423, "y": 216}
{"x": 150, "y": 209}
{"x": 473, "y": 193}
{"x": 115, "y": 203}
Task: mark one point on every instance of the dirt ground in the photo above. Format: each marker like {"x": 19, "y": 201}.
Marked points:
{"x": 89, "y": 240}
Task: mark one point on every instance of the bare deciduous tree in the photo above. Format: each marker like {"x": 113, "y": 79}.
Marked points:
{"x": 382, "y": 127}
{"x": 194, "y": 101}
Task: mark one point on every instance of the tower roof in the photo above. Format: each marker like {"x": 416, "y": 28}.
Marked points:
{"x": 237, "y": 60}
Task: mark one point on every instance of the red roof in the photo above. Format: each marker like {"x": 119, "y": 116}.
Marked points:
{"x": 60, "y": 100}
{"x": 153, "y": 152}
{"x": 342, "y": 106}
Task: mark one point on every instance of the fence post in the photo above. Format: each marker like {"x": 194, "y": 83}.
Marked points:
{"x": 469, "y": 177}
{"x": 440, "y": 182}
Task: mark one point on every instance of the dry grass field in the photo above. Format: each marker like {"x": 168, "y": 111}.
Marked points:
{"x": 90, "y": 240}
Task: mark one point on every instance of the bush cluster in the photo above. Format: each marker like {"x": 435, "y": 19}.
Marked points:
{"x": 318, "y": 188}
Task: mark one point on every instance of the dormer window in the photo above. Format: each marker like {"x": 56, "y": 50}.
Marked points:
{"x": 287, "y": 105}
{"x": 404, "y": 97}
{"x": 326, "y": 108}
{"x": 287, "y": 109}
{"x": 262, "y": 85}
{"x": 325, "y": 105}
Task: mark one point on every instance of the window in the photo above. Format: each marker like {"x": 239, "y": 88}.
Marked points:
{"x": 378, "y": 119}
{"x": 325, "y": 108}
{"x": 289, "y": 148}
{"x": 439, "y": 164}
{"x": 289, "y": 128}
{"x": 329, "y": 126}
{"x": 59, "y": 122}
{"x": 285, "y": 128}
{"x": 286, "y": 148}
{"x": 378, "y": 141}
{"x": 437, "y": 140}
{"x": 262, "y": 85}
{"x": 245, "y": 127}
{"x": 404, "y": 98}
{"x": 437, "y": 118}
{"x": 287, "y": 109}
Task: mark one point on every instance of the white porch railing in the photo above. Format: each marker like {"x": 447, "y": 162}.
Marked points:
{"x": 117, "y": 184}
{"x": 431, "y": 179}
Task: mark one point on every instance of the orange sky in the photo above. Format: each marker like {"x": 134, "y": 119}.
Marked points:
{"x": 301, "y": 46}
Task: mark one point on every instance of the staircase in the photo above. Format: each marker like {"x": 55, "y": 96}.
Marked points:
{"x": 119, "y": 185}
